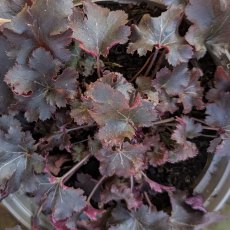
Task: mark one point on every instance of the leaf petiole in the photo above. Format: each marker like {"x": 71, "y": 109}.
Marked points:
{"x": 152, "y": 62}
{"x": 67, "y": 175}
{"x": 95, "y": 188}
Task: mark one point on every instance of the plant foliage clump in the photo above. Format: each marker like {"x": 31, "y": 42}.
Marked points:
{"x": 80, "y": 137}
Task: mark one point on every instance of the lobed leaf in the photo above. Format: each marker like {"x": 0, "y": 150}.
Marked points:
{"x": 218, "y": 116}
{"x": 8, "y": 9}
{"x": 6, "y": 96}
{"x": 181, "y": 83}
{"x": 157, "y": 153}
{"x": 183, "y": 152}
{"x": 41, "y": 25}
{"x": 143, "y": 218}
{"x": 56, "y": 198}
{"x": 125, "y": 161}
{"x": 184, "y": 217}
{"x": 117, "y": 191}
{"x": 39, "y": 87}
{"x": 17, "y": 155}
{"x": 161, "y": 32}
{"x": 210, "y": 29}
{"x": 221, "y": 84}
{"x": 112, "y": 110}
{"x": 98, "y": 29}
{"x": 186, "y": 128}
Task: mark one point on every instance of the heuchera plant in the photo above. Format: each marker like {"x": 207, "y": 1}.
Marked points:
{"x": 62, "y": 108}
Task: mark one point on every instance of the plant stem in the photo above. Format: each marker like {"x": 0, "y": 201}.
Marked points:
{"x": 142, "y": 68}
{"x": 204, "y": 127}
{"x": 210, "y": 128}
{"x": 79, "y": 127}
{"x": 78, "y": 142}
{"x": 198, "y": 120}
{"x": 148, "y": 200}
{"x": 210, "y": 136}
{"x": 67, "y": 175}
{"x": 158, "y": 64}
{"x": 131, "y": 183}
{"x": 95, "y": 188}
{"x": 98, "y": 67}
{"x": 207, "y": 126}
{"x": 152, "y": 62}
{"x": 163, "y": 121}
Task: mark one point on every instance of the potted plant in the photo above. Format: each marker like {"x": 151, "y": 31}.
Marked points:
{"x": 109, "y": 110}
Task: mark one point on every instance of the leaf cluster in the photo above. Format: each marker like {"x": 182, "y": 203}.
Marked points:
{"x": 79, "y": 136}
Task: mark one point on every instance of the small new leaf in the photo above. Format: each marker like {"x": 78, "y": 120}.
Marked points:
{"x": 8, "y": 9}
{"x": 181, "y": 83}
{"x": 186, "y": 128}
{"x": 118, "y": 191}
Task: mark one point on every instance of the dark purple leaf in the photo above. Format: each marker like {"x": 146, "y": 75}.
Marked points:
{"x": 161, "y": 32}
{"x": 222, "y": 85}
{"x": 210, "y": 29}
{"x": 196, "y": 202}
{"x": 183, "y": 152}
{"x": 87, "y": 183}
{"x": 112, "y": 111}
{"x": 41, "y": 25}
{"x": 157, "y": 153}
{"x": 123, "y": 161}
{"x": 143, "y": 218}
{"x": 98, "y": 29}
{"x": 184, "y": 217}
{"x": 80, "y": 112}
{"x": 17, "y": 156}
{"x": 39, "y": 87}
{"x": 158, "y": 187}
{"x": 117, "y": 191}
{"x": 186, "y": 128}
{"x": 58, "y": 199}
{"x": 9, "y": 8}
{"x": 6, "y": 97}
{"x": 182, "y": 83}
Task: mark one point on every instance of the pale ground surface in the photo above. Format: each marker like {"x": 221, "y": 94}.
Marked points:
{"x": 224, "y": 225}
{"x": 7, "y": 221}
